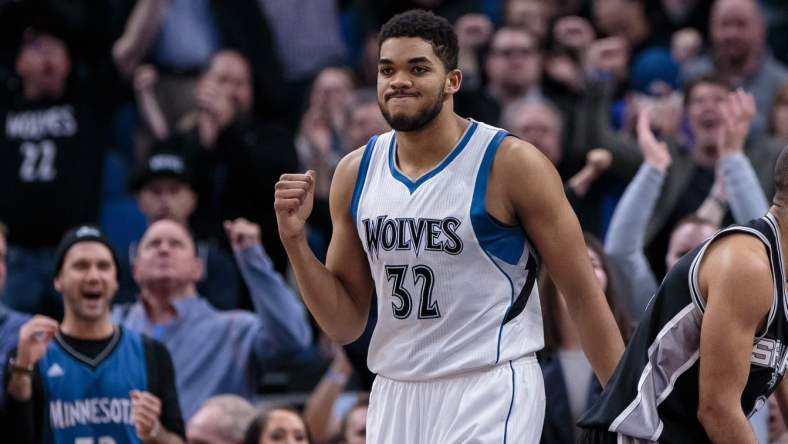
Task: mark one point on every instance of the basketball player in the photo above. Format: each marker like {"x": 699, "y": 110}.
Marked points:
{"x": 447, "y": 219}
{"x": 712, "y": 344}
{"x": 87, "y": 381}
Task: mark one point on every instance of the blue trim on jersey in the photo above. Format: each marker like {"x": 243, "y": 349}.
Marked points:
{"x": 413, "y": 185}
{"x": 492, "y": 234}
{"x": 362, "y": 177}
{"x": 511, "y": 405}
{"x": 86, "y": 400}
{"x": 505, "y": 242}
{"x": 508, "y": 309}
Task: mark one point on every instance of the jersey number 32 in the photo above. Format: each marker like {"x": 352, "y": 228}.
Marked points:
{"x": 421, "y": 274}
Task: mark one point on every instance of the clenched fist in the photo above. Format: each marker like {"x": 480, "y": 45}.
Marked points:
{"x": 293, "y": 201}
{"x": 242, "y": 233}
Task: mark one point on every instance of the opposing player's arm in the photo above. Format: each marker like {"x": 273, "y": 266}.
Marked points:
{"x": 535, "y": 193}
{"x": 338, "y": 293}
{"x": 735, "y": 278}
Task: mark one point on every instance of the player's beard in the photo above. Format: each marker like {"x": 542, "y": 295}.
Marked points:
{"x": 416, "y": 122}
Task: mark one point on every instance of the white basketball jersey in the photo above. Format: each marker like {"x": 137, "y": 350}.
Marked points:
{"x": 456, "y": 288}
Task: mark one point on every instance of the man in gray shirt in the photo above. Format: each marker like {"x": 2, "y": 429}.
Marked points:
{"x": 213, "y": 352}
{"x": 739, "y": 55}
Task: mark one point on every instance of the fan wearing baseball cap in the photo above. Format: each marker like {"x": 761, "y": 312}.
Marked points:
{"x": 86, "y": 361}
{"x": 165, "y": 189}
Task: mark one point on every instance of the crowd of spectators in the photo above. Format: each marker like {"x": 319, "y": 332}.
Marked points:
{"x": 166, "y": 123}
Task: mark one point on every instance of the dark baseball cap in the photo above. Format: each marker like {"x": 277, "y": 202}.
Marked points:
{"x": 82, "y": 233}
{"x": 159, "y": 164}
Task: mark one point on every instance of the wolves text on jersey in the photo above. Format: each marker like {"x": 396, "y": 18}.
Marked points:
{"x": 56, "y": 121}
{"x": 412, "y": 234}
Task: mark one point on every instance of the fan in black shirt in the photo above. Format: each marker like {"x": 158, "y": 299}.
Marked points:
{"x": 55, "y": 119}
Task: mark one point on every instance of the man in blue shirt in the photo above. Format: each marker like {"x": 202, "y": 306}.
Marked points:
{"x": 213, "y": 352}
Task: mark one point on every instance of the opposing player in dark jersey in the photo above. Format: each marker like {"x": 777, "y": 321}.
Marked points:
{"x": 87, "y": 381}
{"x": 712, "y": 344}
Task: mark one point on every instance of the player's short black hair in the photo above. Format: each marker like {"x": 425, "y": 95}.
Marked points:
{"x": 781, "y": 173}
{"x": 427, "y": 26}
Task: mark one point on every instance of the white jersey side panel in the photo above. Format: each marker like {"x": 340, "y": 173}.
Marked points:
{"x": 456, "y": 289}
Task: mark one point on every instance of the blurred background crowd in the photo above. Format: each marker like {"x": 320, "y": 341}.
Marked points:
{"x": 124, "y": 113}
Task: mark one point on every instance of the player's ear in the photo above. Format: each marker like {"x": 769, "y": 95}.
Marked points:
{"x": 453, "y": 82}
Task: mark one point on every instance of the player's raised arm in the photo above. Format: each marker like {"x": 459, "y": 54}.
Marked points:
{"x": 338, "y": 293}
{"x": 735, "y": 278}
{"x": 534, "y": 190}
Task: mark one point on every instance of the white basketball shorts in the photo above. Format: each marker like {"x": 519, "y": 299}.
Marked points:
{"x": 501, "y": 405}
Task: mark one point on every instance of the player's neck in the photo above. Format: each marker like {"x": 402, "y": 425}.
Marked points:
{"x": 87, "y": 328}
{"x": 419, "y": 151}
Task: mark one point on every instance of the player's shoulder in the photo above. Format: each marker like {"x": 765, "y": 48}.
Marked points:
{"x": 738, "y": 250}
{"x": 346, "y": 172}
{"x": 351, "y": 161}
{"x": 519, "y": 154}
{"x": 738, "y": 258}
{"x": 736, "y": 270}
{"x": 519, "y": 162}
{"x": 348, "y": 167}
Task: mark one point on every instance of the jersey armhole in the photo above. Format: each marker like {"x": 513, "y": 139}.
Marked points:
{"x": 694, "y": 275}
{"x": 504, "y": 241}
{"x": 361, "y": 178}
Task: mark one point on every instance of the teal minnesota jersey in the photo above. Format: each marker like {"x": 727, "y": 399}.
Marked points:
{"x": 87, "y": 401}
{"x": 653, "y": 393}
{"x": 456, "y": 288}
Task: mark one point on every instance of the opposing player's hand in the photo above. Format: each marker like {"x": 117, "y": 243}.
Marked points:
{"x": 145, "y": 411}
{"x": 654, "y": 152}
{"x": 242, "y": 233}
{"x": 294, "y": 196}
{"x": 34, "y": 336}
